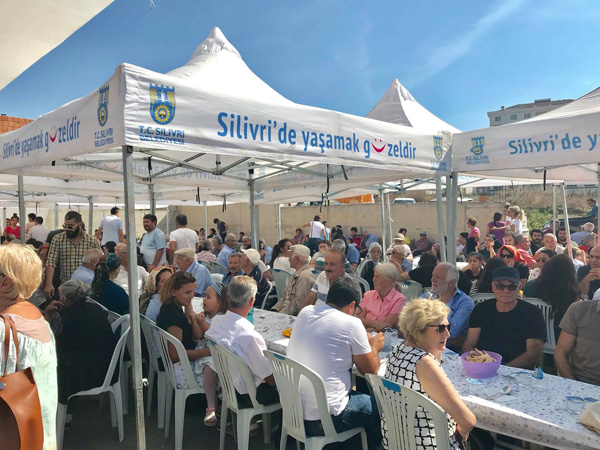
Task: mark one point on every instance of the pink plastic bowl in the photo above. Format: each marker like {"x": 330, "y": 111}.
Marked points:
{"x": 481, "y": 370}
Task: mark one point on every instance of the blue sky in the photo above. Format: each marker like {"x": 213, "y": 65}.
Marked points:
{"x": 459, "y": 59}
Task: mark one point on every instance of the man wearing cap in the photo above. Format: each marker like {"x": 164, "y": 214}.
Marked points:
{"x": 400, "y": 239}
{"x": 512, "y": 328}
{"x": 185, "y": 259}
{"x": 111, "y": 228}
{"x": 299, "y": 284}
{"x": 423, "y": 244}
{"x": 586, "y": 228}
{"x": 253, "y": 267}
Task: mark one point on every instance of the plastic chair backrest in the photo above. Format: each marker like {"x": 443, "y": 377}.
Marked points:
{"x": 215, "y": 267}
{"x": 228, "y": 363}
{"x": 150, "y": 331}
{"x": 120, "y": 325}
{"x": 117, "y": 357}
{"x": 364, "y": 284}
{"x": 264, "y": 303}
{"x": 112, "y": 316}
{"x": 287, "y": 373}
{"x": 399, "y": 405}
{"x": 217, "y": 277}
{"x": 546, "y": 309}
{"x": 164, "y": 339}
{"x": 411, "y": 289}
{"x": 482, "y": 297}
{"x": 282, "y": 278}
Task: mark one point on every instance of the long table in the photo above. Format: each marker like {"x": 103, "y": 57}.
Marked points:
{"x": 535, "y": 414}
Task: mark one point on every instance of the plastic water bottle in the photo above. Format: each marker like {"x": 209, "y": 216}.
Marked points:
{"x": 250, "y": 316}
{"x": 387, "y": 344}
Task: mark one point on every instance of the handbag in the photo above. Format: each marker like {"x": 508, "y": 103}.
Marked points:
{"x": 20, "y": 411}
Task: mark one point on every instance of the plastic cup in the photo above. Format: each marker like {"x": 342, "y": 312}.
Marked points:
{"x": 524, "y": 379}
{"x": 574, "y": 405}
{"x": 476, "y": 387}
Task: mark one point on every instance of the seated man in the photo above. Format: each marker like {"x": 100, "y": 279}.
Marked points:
{"x": 251, "y": 265}
{"x": 299, "y": 284}
{"x": 233, "y": 331}
{"x": 330, "y": 340}
{"x": 85, "y": 272}
{"x": 444, "y": 284}
{"x": 338, "y": 244}
{"x": 122, "y": 279}
{"x": 185, "y": 259}
{"x": 368, "y": 239}
{"x": 423, "y": 244}
{"x": 510, "y": 327}
{"x": 334, "y": 269}
{"x": 588, "y": 276}
{"x": 228, "y": 248}
{"x": 577, "y": 353}
{"x": 522, "y": 245}
{"x": 235, "y": 268}
{"x": 399, "y": 259}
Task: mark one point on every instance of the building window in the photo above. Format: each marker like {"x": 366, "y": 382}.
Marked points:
{"x": 497, "y": 119}
{"x": 513, "y": 117}
{"x": 527, "y": 115}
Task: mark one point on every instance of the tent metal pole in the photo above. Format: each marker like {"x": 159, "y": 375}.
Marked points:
{"x": 451, "y": 201}
{"x": 168, "y": 220}
{"x": 278, "y": 222}
{"x": 56, "y": 216}
{"x": 152, "y": 199}
{"x": 90, "y": 225}
{"x": 448, "y": 205}
{"x": 205, "y": 218}
{"x": 22, "y": 211}
{"x": 389, "y": 223}
{"x": 384, "y": 237}
{"x": 440, "y": 216}
{"x": 4, "y": 216}
{"x": 253, "y": 221}
{"x": 554, "y": 209}
{"x": 134, "y": 312}
{"x": 566, "y": 214}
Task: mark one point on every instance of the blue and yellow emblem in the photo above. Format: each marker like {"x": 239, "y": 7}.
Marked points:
{"x": 438, "y": 151}
{"x": 103, "y": 105}
{"x": 478, "y": 142}
{"x": 162, "y": 103}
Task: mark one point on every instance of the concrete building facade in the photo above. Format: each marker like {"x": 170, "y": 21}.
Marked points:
{"x": 524, "y": 111}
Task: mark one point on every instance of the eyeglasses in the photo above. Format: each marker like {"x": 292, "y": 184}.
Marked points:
{"x": 69, "y": 227}
{"x": 511, "y": 287}
{"x": 506, "y": 256}
{"x": 442, "y": 328}
{"x": 357, "y": 309}
{"x": 542, "y": 260}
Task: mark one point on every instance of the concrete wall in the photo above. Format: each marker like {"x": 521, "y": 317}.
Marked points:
{"x": 415, "y": 217}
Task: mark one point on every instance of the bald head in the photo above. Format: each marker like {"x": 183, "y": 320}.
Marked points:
{"x": 91, "y": 258}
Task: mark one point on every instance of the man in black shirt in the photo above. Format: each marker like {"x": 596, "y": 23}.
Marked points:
{"x": 513, "y": 328}
{"x": 589, "y": 276}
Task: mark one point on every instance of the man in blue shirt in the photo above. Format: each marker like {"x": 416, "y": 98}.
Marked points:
{"x": 85, "y": 272}
{"x": 222, "y": 228}
{"x": 228, "y": 249}
{"x": 444, "y": 284}
{"x": 153, "y": 244}
{"x": 185, "y": 258}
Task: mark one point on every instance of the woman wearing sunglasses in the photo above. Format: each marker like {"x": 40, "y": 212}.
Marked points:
{"x": 416, "y": 364}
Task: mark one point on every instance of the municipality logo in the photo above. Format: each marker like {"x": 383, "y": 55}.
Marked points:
{"x": 162, "y": 103}
{"x": 103, "y": 105}
{"x": 437, "y": 147}
{"x": 478, "y": 142}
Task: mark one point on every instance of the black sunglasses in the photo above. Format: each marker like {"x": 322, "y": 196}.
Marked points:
{"x": 441, "y": 328}
{"x": 506, "y": 255}
{"x": 511, "y": 287}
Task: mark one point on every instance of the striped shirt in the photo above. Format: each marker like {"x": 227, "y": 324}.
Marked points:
{"x": 66, "y": 256}
{"x": 321, "y": 287}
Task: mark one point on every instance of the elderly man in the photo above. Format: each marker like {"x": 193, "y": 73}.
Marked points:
{"x": 577, "y": 353}
{"x": 514, "y": 329}
{"x": 299, "y": 284}
{"x": 522, "y": 245}
{"x": 182, "y": 237}
{"x": 444, "y": 283}
{"x": 185, "y": 259}
{"x": 586, "y": 228}
{"x": 235, "y": 268}
{"x": 85, "y": 272}
{"x": 330, "y": 340}
{"x": 228, "y": 248}
{"x": 423, "y": 244}
{"x": 233, "y": 331}
{"x": 400, "y": 239}
{"x": 551, "y": 243}
{"x": 253, "y": 267}
{"x": 246, "y": 243}
{"x": 588, "y": 276}
{"x": 122, "y": 279}
{"x": 334, "y": 269}
{"x": 153, "y": 243}
{"x": 368, "y": 239}
{"x": 399, "y": 259}
{"x": 217, "y": 245}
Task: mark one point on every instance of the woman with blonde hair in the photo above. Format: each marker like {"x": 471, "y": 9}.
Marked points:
{"x": 20, "y": 275}
{"x": 517, "y": 215}
{"x": 416, "y": 363}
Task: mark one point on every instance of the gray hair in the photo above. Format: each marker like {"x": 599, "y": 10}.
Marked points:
{"x": 387, "y": 270}
{"x": 400, "y": 249}
{"x": 241, "y": 290}
{"x": 90, "y": 255}
{"x": 74, "y": 290}
{"x": 339, "y": 244}
{"x": 552, "y": 235}
{"x": 217, "y": 238}
{"x": 452, "y": 271}
{"x": 206, "y": 245}
{"x": 519, "y": 238}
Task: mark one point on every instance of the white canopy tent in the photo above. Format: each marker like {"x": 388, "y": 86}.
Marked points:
{"x": 191, "y": 112}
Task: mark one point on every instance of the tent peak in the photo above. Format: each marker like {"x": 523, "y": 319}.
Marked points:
{"x": 215, "y": 42}
{"x": 397, "y": 91}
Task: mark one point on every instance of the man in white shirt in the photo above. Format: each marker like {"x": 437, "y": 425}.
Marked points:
{"x": 329, "y": 339}
{"x": 233, "y": 331}
{"x": 182, "y": 237}
{"x": 111, "y": 228}
{"x": 335, "y": 261}
{"x": 122, "y": 279}
{"x": 38, "y": 232}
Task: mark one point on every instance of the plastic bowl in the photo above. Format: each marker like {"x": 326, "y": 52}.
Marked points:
{"x": 481, "y": 370}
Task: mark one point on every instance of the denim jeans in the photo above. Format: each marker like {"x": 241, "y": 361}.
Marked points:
{"x": 361, "y": 411}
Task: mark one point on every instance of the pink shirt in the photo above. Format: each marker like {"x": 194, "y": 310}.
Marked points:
{"x": 378, "y": 309}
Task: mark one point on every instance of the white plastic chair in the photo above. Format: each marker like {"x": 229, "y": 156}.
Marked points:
{"x": 215, "y": 267}
{"x": 411, "y": 290}
{"x": 217, "y": 277}
{"x": 264, "y": 303}
{"x": 550, "y": 344}
{"x": 287, "y": 373}
{"x": 364, "y": 284}
{"x": 116, "y": 402}
{"x": 150, "y": 331}
{"x": 281, "y": 278}
{"x": 399, "y": 404}
{"x": 227, "y": 363}
{"x": 181, "y": 394}
{"x": 482, "y": 297}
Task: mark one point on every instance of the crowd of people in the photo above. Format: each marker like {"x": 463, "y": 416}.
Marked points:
{"x": 341, "y": 288}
